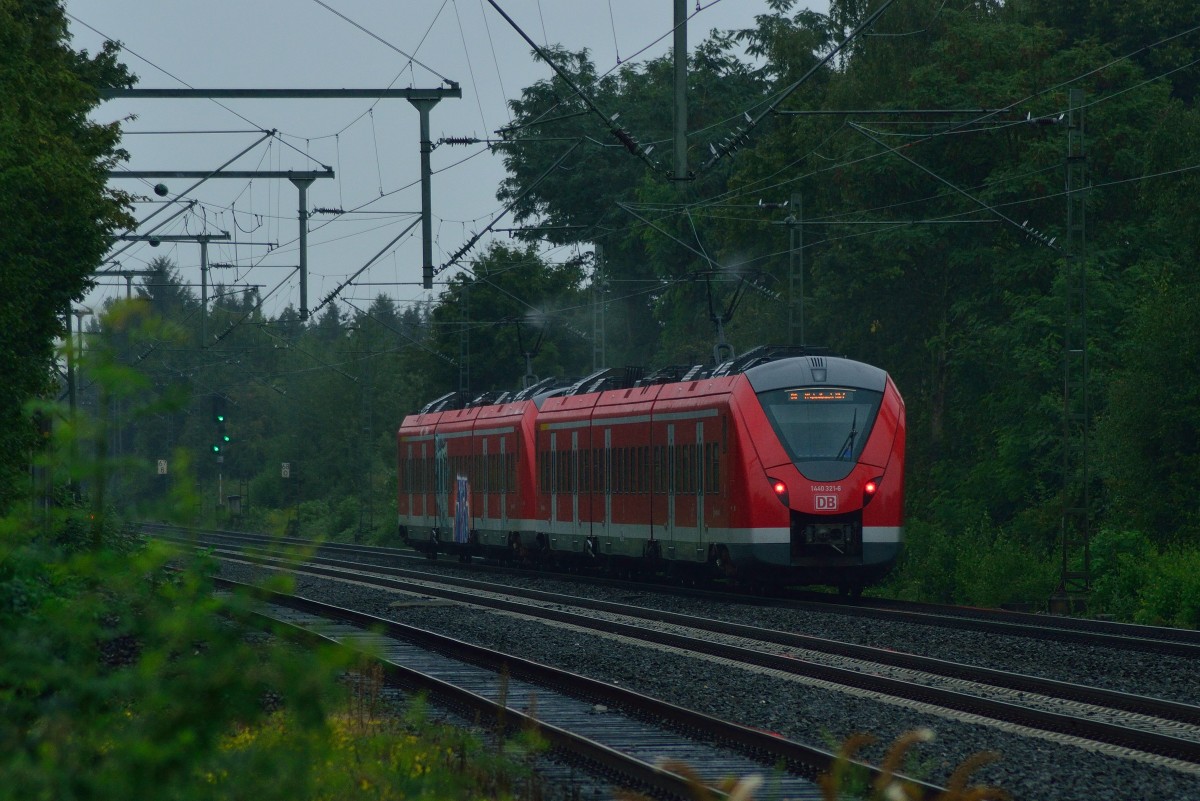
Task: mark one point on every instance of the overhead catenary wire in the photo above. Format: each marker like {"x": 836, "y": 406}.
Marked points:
{"x": 362, "y": 269}
{"x": 385, "y": 42}
{"x": 471, "y": 242}
{"x": 740, "y": 136}
{"x": 697, "y": 208}
{"x": 617, "y": 131}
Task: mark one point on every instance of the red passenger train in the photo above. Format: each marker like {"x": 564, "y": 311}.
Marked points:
{"x": 785, "y": 465}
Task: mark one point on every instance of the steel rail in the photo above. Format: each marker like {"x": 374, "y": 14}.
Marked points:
{"x": 1108, "y": 634}
{"x": 1099, "y": 731}
{"x": 800, "y": 759}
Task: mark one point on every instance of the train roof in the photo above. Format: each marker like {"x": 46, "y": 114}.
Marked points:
{"x": 767, "y": 367}
{"x": 815, "y": 370}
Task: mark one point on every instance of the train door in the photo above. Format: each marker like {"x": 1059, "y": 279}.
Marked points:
{"x": 669, "y": 486}
{"x": 606, "y": 473}
{"x": 441, "y": 484}
{"x": 686, "y": 502}
{"x": 502, "y": 477}
{"x": 483, "y": 485}
{"x": 553, "y": 456}
{"x": 409, "y": 480}
{"x": 701, "y": 523}
{"x": 424, "y": 462}
{"x": 576, "y": 528}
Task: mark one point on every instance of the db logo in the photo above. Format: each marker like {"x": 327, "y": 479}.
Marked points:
{"x": 825, "y": 503}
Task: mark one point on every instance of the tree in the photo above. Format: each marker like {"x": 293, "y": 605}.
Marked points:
{"x": 579, "y": 200}
{"x": 510, "y": 304}
{"x": 58, "y": 213}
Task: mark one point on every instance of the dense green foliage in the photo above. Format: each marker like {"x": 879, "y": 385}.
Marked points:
{"x": 121, "y": 679}
{"x": 930, "y": 243}
{"x": 123, "y": 675}
{"x": 57, "y": 212}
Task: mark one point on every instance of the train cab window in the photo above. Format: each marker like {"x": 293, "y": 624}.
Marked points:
{"x": 828, "y": 425}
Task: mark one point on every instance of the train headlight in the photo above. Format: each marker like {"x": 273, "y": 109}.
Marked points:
{"x": 870, "y": 488}
{"x": 781, "y": 492}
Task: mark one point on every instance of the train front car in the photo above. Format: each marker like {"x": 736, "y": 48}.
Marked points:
{"x": 826, "y": 497}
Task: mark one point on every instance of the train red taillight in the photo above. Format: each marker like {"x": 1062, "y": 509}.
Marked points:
{"x": 781, "y": 492}
{"x": 870, "y": 488}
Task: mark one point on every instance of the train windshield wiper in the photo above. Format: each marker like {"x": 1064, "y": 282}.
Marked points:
{"x": 847, "y": 449}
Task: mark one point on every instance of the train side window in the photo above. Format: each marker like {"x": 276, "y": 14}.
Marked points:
{"x": 714, "y": 455}
{"x": 622, "y": 468}
{"x": 628, "y": 465}
{"x": 639, "y": 457}
{"x": 677, "y": 471}
{"x": 634, "y": 470}
{"x": 629, "y": 476}
{"x": 695, "y": 467}
{"x": 637, "y": 470}
{"x": 620, "y": 471}
{"x": 692, "y": 473}
{"x": 659, "y": 462}
{"x": 691, "y": 468}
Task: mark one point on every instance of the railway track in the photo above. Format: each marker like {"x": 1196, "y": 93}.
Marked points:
{"x": 1108, "y": 634}
{"x": 1165, "y": 729}
{"x": 619, "y": 734}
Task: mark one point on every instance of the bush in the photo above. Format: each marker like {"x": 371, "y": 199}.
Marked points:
{"x": 926, "y": 569}
{"x": 1134, "y": 580}
{"x": 982, "y": 565}
{"x": 996, "y": 567}
{"x": 1122, "y": 565}
{"x": 1172, "y": 597}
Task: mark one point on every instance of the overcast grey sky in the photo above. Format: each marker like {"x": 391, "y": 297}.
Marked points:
{"x": 372, "y": 145}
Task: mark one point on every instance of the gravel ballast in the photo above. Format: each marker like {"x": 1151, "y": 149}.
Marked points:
{"x": 1030, "y": 767}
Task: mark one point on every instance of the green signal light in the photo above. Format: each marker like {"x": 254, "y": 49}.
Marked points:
{"x": 220, "y": 418}
{"x": 216, "y": 448}
{"x": 225, "y": 438}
